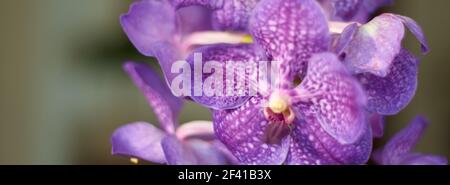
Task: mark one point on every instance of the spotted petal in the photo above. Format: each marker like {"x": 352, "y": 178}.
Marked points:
{"x": 390, "y": 94}
{"x": 398, "y": 148}
{"x": 377, "y": 43}
{"x": 312, "y": 145}
{"x": 290, "y": 31}
{"x": 335, "y": 97}
{"x": 140, "y": 139}
{"x": 242, "y": 130}
{"x": 165, "y": 105}
{"x": 226, "y": 62}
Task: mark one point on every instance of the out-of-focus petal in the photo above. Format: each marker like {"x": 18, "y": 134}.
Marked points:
{"x": 242, "y": 130}
{"x": 228, "y": 155}
{"x": 390, "y": 94}
{"x": 335, "y": 97}
{"x": 193, "y": 19}
{"x": 345, "y": 38}
{"x": 196, "y": 129}
{"x": 377, "y": 43}
{"x": 341, "y": 10}
{"x": 417, "y": 31}
{"x": 206, "y": 153}
{"x": 352, "y": 10}
{"x": 398, "y": 149}
{"x": 234, "y": 14}
{"x": 422, "y": 159}
{"x": 290, "y": 31}
{"x": 312, "y": 145}
{"x": 140, "y": 139}
{"x": 377, "y": 123}
{"x": 235, "y": 60}
{"x": 227, "y": 15}
{"x": 165, "y": 105}
{"x": 177, "y": 152}
{"x": 149, "y": 24}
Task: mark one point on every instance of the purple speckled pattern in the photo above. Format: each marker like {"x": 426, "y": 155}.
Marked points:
{"x": 242, "y": 131}
{"x": 290, "y": 32}
{"x": 390, "y": 94}
{"x": 338, "y": 101}
{"x": 328, "y": 110}
{"x": 237, "y": 56}
{"x": 311, "y": 145}
{"x": 341, "y": 73}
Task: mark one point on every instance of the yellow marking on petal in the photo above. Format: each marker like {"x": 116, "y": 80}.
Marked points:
{"x": 247, "y": 39}
{"x": 217, "y": 37}
{"x": 134, "y": 160}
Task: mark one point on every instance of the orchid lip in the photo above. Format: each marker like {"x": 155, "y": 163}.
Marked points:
{"x": 278, "y": 108}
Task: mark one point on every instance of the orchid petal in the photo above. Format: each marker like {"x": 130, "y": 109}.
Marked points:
{"x": 312, "y": 145}
{"x": 377, "y": 123}
{"x": 140, "y": 139}
{"x": 177, "y": 152}
{"x": 242, "y": 130}
{"x": 421, "y": 159}
{"x": 400, "y": 146}
{"x": 227, "y": 15}
{"x": 335, "y": 97}
{"x": 390, "y": 94}
{"x": 165, "y": 105}
{"x": 352, "y": 10}
{"x": 376, "y": 44}
{"x": 206, "y": 153}
{"x": 149, "y": 24}
{"x": 225, "y": 57}
{"x": 290, "y": 31}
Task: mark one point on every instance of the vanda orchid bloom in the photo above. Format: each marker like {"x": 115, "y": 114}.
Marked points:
{"x": 337, "y": 79}
{"x": 191, "y": 143}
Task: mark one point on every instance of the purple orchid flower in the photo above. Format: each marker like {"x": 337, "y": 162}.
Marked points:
{"x": 191, "y": 143}
{"x": 283, "y": 41}
{"x": 330, "y": 116}
{"x": 320, "y": 121}
{"x": 373, "y": 52}
{"x": 397, "y": 151}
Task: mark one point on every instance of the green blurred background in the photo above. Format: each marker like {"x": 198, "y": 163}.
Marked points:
{"x": 63, "y": 92}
